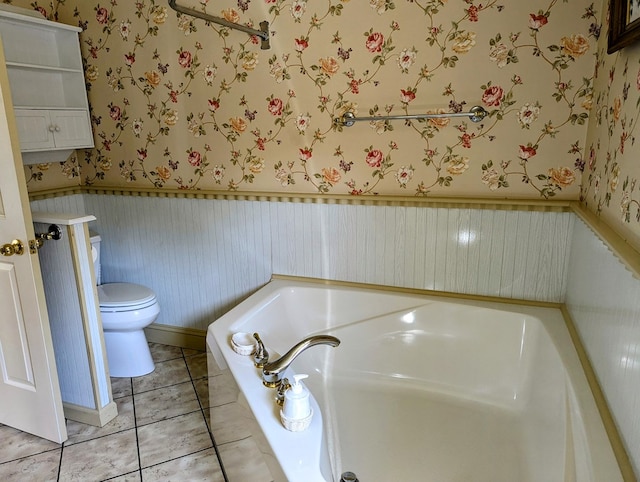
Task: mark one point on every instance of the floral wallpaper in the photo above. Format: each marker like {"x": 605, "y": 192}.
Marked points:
{"x": 612, "y": 171}
{"x": 178, "y": 103}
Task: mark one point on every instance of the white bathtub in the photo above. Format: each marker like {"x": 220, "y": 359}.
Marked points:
{"x": 421, "y": 388}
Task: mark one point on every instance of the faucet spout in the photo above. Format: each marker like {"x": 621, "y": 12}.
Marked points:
{"x": 273, "y": 371}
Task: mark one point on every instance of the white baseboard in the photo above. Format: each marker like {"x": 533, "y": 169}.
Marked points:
{"x": 97, "y": 417}
{"x": 176, "y": 336}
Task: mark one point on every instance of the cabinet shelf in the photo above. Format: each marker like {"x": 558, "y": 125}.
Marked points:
{"x": 48, "y": 90}
{"x": 51, "y": 68}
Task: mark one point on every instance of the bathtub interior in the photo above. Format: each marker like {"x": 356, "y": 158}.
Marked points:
{"x": 450, "y": 384}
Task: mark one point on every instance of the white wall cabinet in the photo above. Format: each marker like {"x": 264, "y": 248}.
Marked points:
{"x": 52, "y": 129}
{"x": 47, "y": 82}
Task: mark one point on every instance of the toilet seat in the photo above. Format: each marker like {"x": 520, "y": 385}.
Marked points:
{"x": 121, "y": 297}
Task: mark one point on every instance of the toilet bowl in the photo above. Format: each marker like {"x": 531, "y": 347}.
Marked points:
{"x": 126, "y": 309}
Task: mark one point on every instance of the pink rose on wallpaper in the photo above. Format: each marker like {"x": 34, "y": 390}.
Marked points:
{"x": 472, "y": 11}
{"x": 142, "y": 154}
{"x": 329, "y": 65}
{"x": 301, "y": 44}
{"x": 638, "y": 80}
{"x": 374, "y": 158}
{"x": 562, "y": 177}
{"x": 184, "y": 59}
{"x": 407, "y": 96}
{"x": 537, "y": 21}
{"x": 355, "y": 86}
{"x": 526, "y": 152}
{"x": 374, "y": 42}
{"x": 466, "y": 140}
{"x": 493, "y": 95}
{"x": 129, "y": 59}
{"x": 330, "y": 175}
{"x": 275, "y": 107}
{"x": 114, "y": 112}
{"x": 304, "y": 154}
{"x": 623, "y": 138}
{"x": 102, "y": 15}
{"x": 195, "y": 159}
{"x": 214, "y": 104}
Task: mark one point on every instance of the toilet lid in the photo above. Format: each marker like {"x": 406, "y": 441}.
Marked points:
{"x": 122, "y": 295}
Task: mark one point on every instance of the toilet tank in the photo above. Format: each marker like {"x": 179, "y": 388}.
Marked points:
{"x": 95, "y": 253}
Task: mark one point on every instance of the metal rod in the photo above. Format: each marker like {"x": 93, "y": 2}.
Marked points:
{"x": 263, "y": 33}
{"x": 476, "y": 114}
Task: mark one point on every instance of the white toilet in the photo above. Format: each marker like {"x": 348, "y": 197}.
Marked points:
{"x": 126, "y": 309}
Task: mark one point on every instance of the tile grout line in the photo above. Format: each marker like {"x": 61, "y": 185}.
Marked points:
{"x": 204, "y": 416}
{"x": 60, "y": 462}
{"x": 135, "y": 425}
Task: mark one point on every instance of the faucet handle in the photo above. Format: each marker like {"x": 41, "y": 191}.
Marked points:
{"x": 261, "y": 356}
{"x": 282, "y": 387}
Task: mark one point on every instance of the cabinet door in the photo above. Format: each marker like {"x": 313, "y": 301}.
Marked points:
{"x": 33, "y": 130}
{"x": 71, "y": 129}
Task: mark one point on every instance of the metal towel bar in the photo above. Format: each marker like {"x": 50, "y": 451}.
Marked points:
{"x": 476, "y": 114}
{"x": 263, "y": 33}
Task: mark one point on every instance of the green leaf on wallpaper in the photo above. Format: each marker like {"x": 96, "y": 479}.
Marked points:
{"x": 450, "y": 61}
{"x": 335, "y": 10}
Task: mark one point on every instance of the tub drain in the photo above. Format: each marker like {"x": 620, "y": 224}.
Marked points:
{"x": 348, "y": 477}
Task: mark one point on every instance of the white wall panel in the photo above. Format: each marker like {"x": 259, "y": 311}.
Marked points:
{"x": 65, "y": 318}
{"x": 604, "y": 301}
{"x": 63, "y": 204}
{"x": 204, "y": 256}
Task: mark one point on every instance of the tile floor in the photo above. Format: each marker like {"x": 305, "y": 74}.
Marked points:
{"x": 160, "y": 434}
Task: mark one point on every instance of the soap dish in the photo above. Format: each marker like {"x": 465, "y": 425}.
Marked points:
{"x": 243, "y": 343}
{"x": 296, "y": 424}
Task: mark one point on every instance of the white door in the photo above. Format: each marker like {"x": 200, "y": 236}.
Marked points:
{"x": 30, "y": 397}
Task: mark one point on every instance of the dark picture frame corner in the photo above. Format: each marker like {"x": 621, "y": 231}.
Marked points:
{"x": 624, "y": 28}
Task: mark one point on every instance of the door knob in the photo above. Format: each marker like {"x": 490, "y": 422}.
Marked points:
{"x": 15, "y": 247}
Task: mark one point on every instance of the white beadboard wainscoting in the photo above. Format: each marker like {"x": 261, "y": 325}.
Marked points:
{"x": 204, "y": 256}
{"x": 603, "y": 299}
